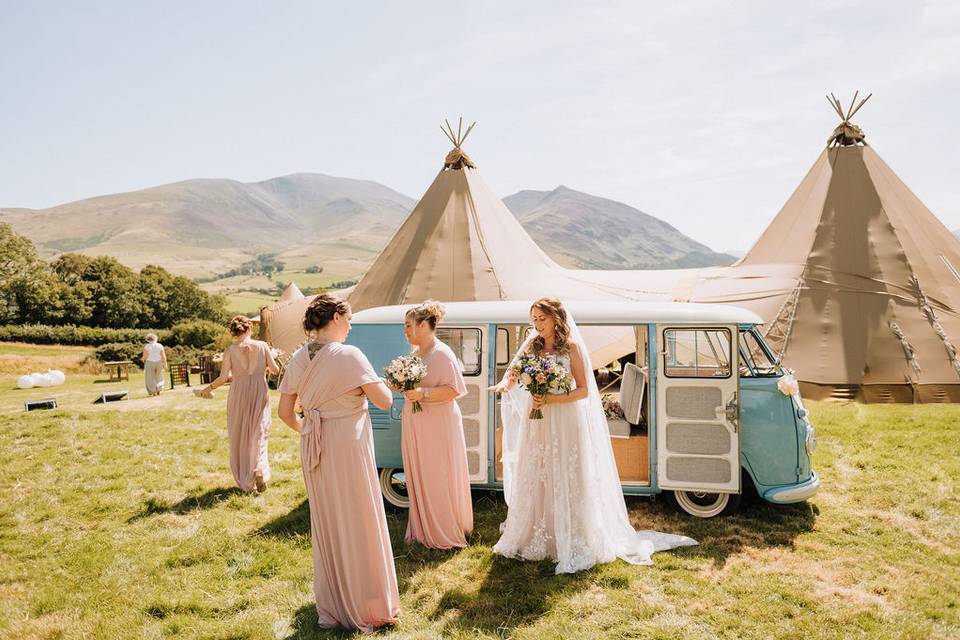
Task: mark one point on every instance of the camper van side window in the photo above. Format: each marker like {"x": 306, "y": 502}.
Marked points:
{"x": 465, "y": 344}
{"x": 696, "y": 353}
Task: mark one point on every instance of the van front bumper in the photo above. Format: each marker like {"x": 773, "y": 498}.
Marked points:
{"x": 793, "y": 492}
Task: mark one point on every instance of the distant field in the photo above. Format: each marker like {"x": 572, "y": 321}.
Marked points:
{"x": 242, "y": 297}
{"x": 248, "y": 303}
{"x": 17, "y": 358}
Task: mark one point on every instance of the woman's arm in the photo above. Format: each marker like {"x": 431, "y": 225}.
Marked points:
{"x": 437, "y": 394}
{"x": 506, "y": 383}
{"x": 288, "y": 411}
{"x": 271, "y": 363}
{"x": 144, "y": 357}
{"x": 163, "y": 356}
{"x": 579, "y": 376}
{"x": 379, "y": 394}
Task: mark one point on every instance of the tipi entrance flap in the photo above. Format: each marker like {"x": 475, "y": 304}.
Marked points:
{"x": 697, "y": 411}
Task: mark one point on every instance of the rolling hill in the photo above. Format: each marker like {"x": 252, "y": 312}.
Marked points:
{"x": 584, "y": 231}
{"x": 208, "y": 226}
{"x": 202, "y": 227}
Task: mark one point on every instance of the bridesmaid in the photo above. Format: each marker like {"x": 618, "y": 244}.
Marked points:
{"x": 354, "y": 580}
{"x": 434, "y": 452}
{"x": 248, "y": 404}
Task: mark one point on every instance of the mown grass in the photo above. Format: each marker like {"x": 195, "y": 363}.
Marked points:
{"x": 120, "y": 521}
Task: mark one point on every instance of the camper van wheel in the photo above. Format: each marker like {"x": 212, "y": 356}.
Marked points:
{"x": 393, "y": 485}
{"x": 705, "y": 505}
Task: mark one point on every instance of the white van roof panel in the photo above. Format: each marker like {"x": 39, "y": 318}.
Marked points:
{"x": 608, "y": 312}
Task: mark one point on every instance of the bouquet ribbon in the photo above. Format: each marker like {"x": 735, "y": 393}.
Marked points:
{"x": 311, "y": 436}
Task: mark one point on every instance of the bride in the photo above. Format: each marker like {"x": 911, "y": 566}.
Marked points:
{"x": 560, "y": 479}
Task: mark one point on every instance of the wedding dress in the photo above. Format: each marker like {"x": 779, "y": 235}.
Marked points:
{"x": 561, "y": 483}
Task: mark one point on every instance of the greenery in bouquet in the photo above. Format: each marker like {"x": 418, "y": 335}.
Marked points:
{"x": 541, "y": 375}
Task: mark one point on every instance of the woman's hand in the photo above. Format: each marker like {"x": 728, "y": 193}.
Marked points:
{"x": 207, "y": 393}
{"x": 500, "y": 387}
{"x": 505, "y": 384}
{"x": 414, "y": 395}
{"x": 539, "y": 401}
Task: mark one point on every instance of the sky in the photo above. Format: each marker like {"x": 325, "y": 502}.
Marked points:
{"x": 704, "y": 114}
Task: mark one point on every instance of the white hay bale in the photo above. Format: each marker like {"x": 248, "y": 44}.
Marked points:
{"x": 42, "y": 380}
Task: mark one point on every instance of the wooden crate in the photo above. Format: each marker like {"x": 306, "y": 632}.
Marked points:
{"x": 632, "y": 456}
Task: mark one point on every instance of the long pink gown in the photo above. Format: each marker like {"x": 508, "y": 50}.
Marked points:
{"x": 248, "y": 411}
{"x": 354, "y": 579}
{"x": 435, "y": 460}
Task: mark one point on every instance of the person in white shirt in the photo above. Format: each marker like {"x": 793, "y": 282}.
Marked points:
{"x": 154, "y": 364}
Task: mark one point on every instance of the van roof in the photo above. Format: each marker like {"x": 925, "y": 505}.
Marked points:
{"x": 608, "y": 312}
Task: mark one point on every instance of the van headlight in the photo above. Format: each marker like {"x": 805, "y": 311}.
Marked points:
{"x": 811, "y": 439}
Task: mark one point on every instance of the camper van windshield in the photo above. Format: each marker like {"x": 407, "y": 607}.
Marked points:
{"x": 756, "y": 360}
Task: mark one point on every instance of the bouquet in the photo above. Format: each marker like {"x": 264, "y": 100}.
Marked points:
{"x": 611, "y": 407}
{"x": 541, "y": 375}
{"x": 406, "y": 372}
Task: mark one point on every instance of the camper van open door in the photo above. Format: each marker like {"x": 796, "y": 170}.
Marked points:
{"x": 697, "y": 413}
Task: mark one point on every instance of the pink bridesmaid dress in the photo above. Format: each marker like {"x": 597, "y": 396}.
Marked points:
{"x": 354, "y": 579}
{"x": 435, "y": 460}
{"x": 248, "y": 411}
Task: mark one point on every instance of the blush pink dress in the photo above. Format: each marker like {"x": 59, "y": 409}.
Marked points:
{"x": 248, "y": 411}
{"x": 435, "y": 460}
{"x": 354, "y": 579}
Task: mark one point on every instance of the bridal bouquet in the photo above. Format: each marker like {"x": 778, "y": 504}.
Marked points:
{"x": 541, "y": 375}
{"x": 406, "y": 372}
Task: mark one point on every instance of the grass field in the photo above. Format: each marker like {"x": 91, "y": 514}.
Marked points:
{"x": 242, "y": 297}
{"x": 120, "y": 521}
{"x": 17, "y": 358}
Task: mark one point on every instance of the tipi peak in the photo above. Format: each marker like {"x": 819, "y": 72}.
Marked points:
{"x": 847, "y": 134}
{"x": 457, "y": 159}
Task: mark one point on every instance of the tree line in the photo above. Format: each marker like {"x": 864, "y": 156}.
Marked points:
{"x": 97, "y": 292}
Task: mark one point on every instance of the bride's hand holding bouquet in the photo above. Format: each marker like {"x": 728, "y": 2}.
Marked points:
{"x": 541, "y": 375}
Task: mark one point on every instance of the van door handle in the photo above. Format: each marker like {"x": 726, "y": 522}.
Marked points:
{"x": 733, "y": 411}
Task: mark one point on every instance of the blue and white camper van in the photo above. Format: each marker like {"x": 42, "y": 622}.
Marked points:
{"x": 699, "y": 411}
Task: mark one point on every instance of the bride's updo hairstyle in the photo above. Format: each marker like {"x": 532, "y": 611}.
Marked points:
{"x": 431, "y": 311}
{"x": 554, "y": 309}
{"x": 321, "y": 310}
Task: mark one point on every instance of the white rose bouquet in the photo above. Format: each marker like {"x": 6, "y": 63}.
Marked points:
{"x": 406, "y": 372}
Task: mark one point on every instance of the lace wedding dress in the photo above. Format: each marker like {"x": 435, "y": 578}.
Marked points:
{"x": 561, "y": 484}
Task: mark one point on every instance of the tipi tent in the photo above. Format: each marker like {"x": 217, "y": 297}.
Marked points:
{"x": 875, "y": 309}
{"x": 461, "y": 243}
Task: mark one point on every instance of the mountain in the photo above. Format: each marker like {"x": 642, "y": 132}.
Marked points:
{"x": 584, "y": 231}
{"x": 204, "y": 227}
{"x": 201, "y": 227}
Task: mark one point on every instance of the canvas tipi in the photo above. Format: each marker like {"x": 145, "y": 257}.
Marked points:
{"x": 875, "y": 309}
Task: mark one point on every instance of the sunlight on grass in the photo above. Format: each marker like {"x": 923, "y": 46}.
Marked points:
{"x": 121, "y": 521}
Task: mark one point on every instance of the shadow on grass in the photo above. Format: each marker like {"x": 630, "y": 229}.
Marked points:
{"x": 513, "y": 594}
{"x": 206, "y": 500}
{"x": 293, "y": 524}
{"x": 304, "y": 627}
{"x": 758, "y": 524}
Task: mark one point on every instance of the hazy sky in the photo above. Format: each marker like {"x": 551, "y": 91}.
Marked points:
{"x": 705, "y": 114}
